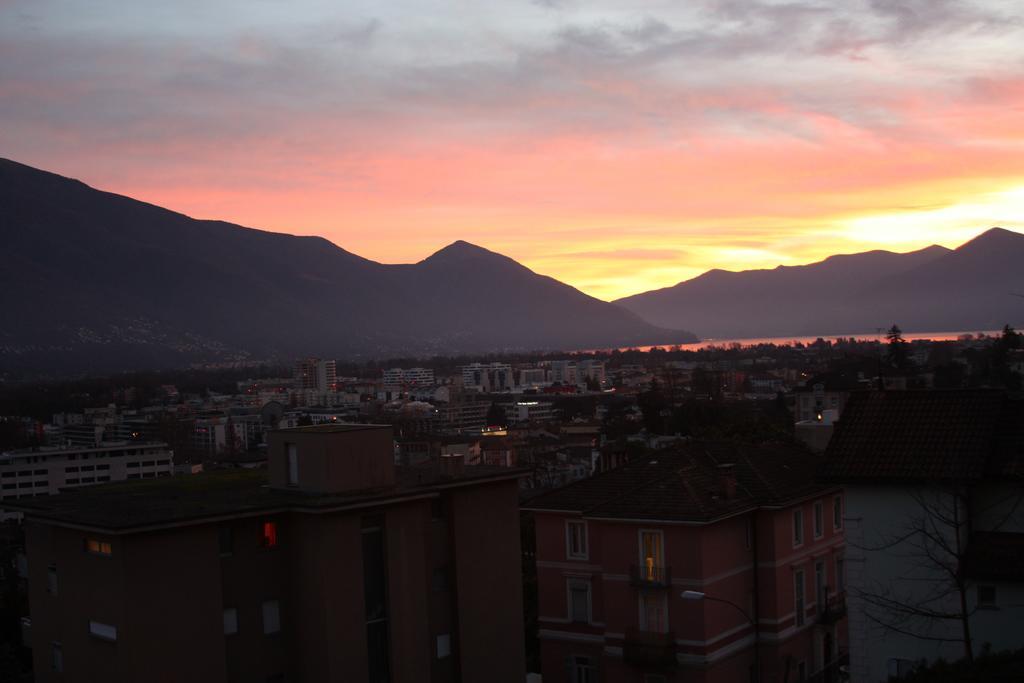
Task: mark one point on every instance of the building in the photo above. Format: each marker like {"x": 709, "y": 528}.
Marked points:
{"x": 411, "y": 376}
{"x": 564, "y": 372}
{"x": 494, "y": 377}
{"x": 344, "y": 567}
{"x": 533, "y": 377}
{"x": 592, "y": 370}
{"x": 933, "y": 482}
{"x": 708, "y": 562}
{"x": 33, "y": 472}
{"x": 314, "y": 373}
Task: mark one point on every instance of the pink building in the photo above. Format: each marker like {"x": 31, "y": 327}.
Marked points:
{"x": 659, "y": 570}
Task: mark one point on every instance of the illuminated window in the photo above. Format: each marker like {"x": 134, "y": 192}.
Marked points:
{"x": 269, "y": 534}
{"x": 97, "y": 547}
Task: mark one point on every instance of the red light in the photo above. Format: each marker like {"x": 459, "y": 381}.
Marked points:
{"x": 269, "y": 534}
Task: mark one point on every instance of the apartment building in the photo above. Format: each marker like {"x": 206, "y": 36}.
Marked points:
{"x": 314, "y": 373}
{"x": 708, "y": 562}
{"x": 492, "y": 377}
{"x": 333, "y": 564}
{"x": 411, "y": 376}
{"x": 32, "y": 472}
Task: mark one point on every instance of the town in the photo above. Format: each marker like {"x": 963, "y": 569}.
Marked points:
{"x": 654, "y": 515}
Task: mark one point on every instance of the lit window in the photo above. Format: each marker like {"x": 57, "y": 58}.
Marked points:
{"x": 576, "y": 540}
{"x": 104, "y": 631}
{"x": 271, "y": 617}
{"x": 98, "y": 547}
{"x": 798, "y": 527}
{"x": 819, "y": 519}
{"x": 230, "y": 621}
{"x": 269, "y": 534}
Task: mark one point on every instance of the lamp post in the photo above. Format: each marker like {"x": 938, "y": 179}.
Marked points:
{"x": 697, "y": 595}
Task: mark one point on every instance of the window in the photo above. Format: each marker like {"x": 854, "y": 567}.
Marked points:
{"x": 799, "y": 601}
{"x": 801, "y": 671}
{"x": 444, "y": 645}
{"x": 653, "y": 613}
{"x": 582, "y": 670}
{"x": 837, "y": 513}
{"x": 652, "y": 555}
{"x": 293, "y": 464}
{"x": 51, "y": 579}
{"x": 576, "y": 540}
{"x": 439, "y": 580}
{"x": 271, "y": 617}
{"x": 579, "y": 600}
{"x": 986, "y": 596}
{"x": 820, "y": 597}
{"x": 70, "y": 469}
{"x": 97, "y": 547}
{"x": 798, "y": 528}
{"x": 225, "y": 541}
{"x": 840, "y": 575}
{"x": 56, "y": 657}
{"x": 819, "y": 519}
{"x": 269, "y": 534}
{"x": 231, "y": 621}
{"x": 104, "y": 631}
{"x": 749, "y": 534}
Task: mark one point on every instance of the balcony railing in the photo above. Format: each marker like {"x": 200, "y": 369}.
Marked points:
{"x": 649, "y": 649}
{"x": 832, "y": 609}
{"x": 643, "y": 576}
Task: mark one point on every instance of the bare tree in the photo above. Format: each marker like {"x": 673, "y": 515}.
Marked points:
{"x": 929, "y": 600}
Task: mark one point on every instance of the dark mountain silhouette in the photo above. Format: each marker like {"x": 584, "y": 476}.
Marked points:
{"x": 95, "y": 281}
{"x": 932, "y": 289}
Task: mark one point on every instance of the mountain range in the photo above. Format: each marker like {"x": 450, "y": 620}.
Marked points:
{"x": 92, "y": 281}
{"x": 933, "y": 289}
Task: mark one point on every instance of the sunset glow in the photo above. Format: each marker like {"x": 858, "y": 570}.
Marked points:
{"x": 618, "y": 147}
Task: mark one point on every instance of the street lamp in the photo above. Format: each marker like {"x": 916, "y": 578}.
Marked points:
{"x": 697, "y": 595}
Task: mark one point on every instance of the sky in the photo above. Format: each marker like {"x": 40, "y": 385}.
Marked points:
{"x": 617, "y": 146}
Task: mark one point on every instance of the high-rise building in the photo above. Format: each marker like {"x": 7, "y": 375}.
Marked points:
{"x": 493, "y": 377}
{"x": 333, "y": 564}
{"x": 314, "y": 373}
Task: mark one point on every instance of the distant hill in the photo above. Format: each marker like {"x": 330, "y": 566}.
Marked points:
{"x": 932, "y": 289}
{"x": 93, "y": 281}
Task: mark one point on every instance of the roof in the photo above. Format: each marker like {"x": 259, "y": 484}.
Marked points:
{"x": 927, "y": 435}
{"x": 334, "y": 428}
{"x": 684, "y": 483}
{"x": 995, "y": 556}
{"x": 134, "y": 505}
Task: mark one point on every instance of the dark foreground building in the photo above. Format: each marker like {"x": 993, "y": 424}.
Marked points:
{"x": 343, "y": 567}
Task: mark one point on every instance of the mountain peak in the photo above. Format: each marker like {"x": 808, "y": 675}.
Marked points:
{"x": 460, "y": 250}
{"x": 993, "y": 238}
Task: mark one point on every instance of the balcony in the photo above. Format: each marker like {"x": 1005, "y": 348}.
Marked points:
{"x": 649, "y": 649}
{"x": 832, "y": 609}
{"x": 649, "y": 577}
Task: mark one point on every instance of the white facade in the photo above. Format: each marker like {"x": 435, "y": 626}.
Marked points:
{"x": 44, "y": 472}
{"x": 487, "y": 378}
{"x": 883, "y": 562}
{"x": 416, "y": 376}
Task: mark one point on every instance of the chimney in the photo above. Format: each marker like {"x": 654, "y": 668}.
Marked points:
{"x": 727, "y": 480}
{"x": 452, "y": 464}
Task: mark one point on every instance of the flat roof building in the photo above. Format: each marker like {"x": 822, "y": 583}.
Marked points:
{"x": 334, "y": 564}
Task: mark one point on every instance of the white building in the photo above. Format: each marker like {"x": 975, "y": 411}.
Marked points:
{"x": 564, "y": 372}
{"x": 27, "y": 473}
{"x": 412, "y": 376}
{"x": 494, "y": 377}
{"x": 934, "y": 513}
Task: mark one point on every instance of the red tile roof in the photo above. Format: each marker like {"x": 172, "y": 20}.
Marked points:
{"x": 933, "y": 435}
{"x": 683, "y": 483}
